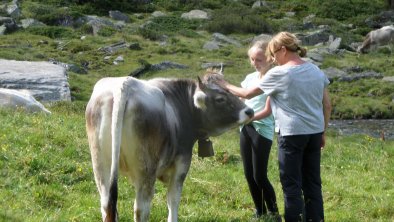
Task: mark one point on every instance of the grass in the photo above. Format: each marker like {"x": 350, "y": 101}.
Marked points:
{"x": 46, "y": 175}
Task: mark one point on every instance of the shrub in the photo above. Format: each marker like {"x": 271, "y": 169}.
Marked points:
{"x": 168, "y": 25}
{"x": 77, "y": 46}
{"x": 52, "y": 31}
{"x": 150, "y": 31}
{"x": 237, "y": 20}
{"x": 175, "y": 24}
{"x": 49, "y": 14}
{"x": 345, "y": 9}
{"x": 106, "y": 31}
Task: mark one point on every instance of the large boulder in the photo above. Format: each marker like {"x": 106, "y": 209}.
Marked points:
{"x": 14, "y": 99}
{"x": 43, "y": 80}
{"x": 195, "y": 14}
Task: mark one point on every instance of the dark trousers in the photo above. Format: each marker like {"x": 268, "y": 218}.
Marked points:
{"x": 299, "y": 167}
{"x": 255, "y": 150}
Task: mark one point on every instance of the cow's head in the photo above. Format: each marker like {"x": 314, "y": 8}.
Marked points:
{"x": 221, "y": 110}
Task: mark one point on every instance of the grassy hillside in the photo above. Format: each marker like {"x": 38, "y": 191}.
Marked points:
{"x": 360, "y": 99}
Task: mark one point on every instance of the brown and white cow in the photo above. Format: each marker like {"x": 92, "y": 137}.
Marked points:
{"x": 147, "y": 129}
{"x": 378, "y": 37}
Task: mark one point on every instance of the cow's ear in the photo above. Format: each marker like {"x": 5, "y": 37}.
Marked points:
{"x": 199, "y": 96}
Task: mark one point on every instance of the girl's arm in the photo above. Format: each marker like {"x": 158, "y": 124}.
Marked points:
{"x": 265, "y": 112}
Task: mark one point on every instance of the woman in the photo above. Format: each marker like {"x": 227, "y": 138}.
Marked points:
{"x": 301, "y": 107}
{"x": 256, "y": 138}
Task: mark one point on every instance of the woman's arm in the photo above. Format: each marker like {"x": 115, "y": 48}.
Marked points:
{"x": 326, "y": 108}
{"x": 265, "y": 112}
{"x": 327, "y": 114}
{"x": 246, "y": 93}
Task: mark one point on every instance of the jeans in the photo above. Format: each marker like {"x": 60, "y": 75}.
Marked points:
{"x": 299, "y": 167}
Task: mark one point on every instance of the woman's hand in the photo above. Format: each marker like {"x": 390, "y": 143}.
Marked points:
{"x": 323, "y": 141}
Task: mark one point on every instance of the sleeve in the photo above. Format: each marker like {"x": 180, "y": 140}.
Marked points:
{"x": 274, "y": 81}
{"x": 244, "y": 83}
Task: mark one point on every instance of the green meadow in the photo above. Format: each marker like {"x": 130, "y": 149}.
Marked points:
{"x": 46, "y": 175}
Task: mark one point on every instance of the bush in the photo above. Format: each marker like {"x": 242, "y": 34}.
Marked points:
{"x": 101, "y": 7}
{"x": 168, "y": 25}
{"x": 52, "y": 31}
{"x": 106, "y": 31}
{"x": 78, "y": 46}
{"x": 238, "y": 20}
{"x": 345, "y": 9}
{"x": 49, "y": 14}
{"x": 150, "y": 31}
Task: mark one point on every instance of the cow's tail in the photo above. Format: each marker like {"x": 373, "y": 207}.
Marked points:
{"x": 119, "y": 104}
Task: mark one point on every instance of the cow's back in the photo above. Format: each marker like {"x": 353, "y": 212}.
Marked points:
{"x": 146, "y": 132}
{"x": 383, "y": 35}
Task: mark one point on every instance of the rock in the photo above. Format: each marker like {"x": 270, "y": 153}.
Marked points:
{"x": 14, "y": 99}
{"x": 158, "y": 14}
{"x": 258, "y": 4}
{"x": 118, "y": 60}
{"x": 263, "y": 37}
{"x": 43, "y": 80}
{"x": 168, "y": 65}
{"x": 195, "y": 14}
{"x": 2, "y": 29}
{"x": 334, "y": 45}
{"x": 382, "y": 19}
{"x": 333, "y": 73}
{"x": 26, "y": 23}
{"x": 290, "y": 14}
{"x": 211, "y": 45}
{"x": 114, "y": 47}
{"x": 13, "y": 10}
{"x": 69, "y": 67}
{"x": 363, "y": 75}
{"x": 8, "y": 24}
{"x": 315, "y": 57}
{"x": 218, "y": 37}
{"x": 215, "y": 65}
{"x": 146, "y": 67}
{"x": 119, "y": 16}
{"x": 313, "y": 38}
{"x": 97, "y": 23}
{"x": 389, "y": 79}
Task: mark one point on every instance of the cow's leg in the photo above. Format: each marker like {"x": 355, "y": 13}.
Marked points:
{"x": 144, "y": 190}
{"x": 100, "y": 149}
{"x": 101, "y": 167}
{"x": 175, "y": 185}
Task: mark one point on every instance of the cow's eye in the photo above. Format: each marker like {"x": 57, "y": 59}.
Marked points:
{"x": 219, "y": 99}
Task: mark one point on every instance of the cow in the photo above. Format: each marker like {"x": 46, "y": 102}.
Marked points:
{"x": 146, "y": 129}
{"x": 11, "y": 98}
{"x": 378, "y": 37}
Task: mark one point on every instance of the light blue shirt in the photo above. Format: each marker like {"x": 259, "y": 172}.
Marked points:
{"x": 296, "y": 94}
{"x": 264, "y": 127}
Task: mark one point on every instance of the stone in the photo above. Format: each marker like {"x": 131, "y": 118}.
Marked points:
{"x": 45, "y": 81}
{"x": 14, "y": 99}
